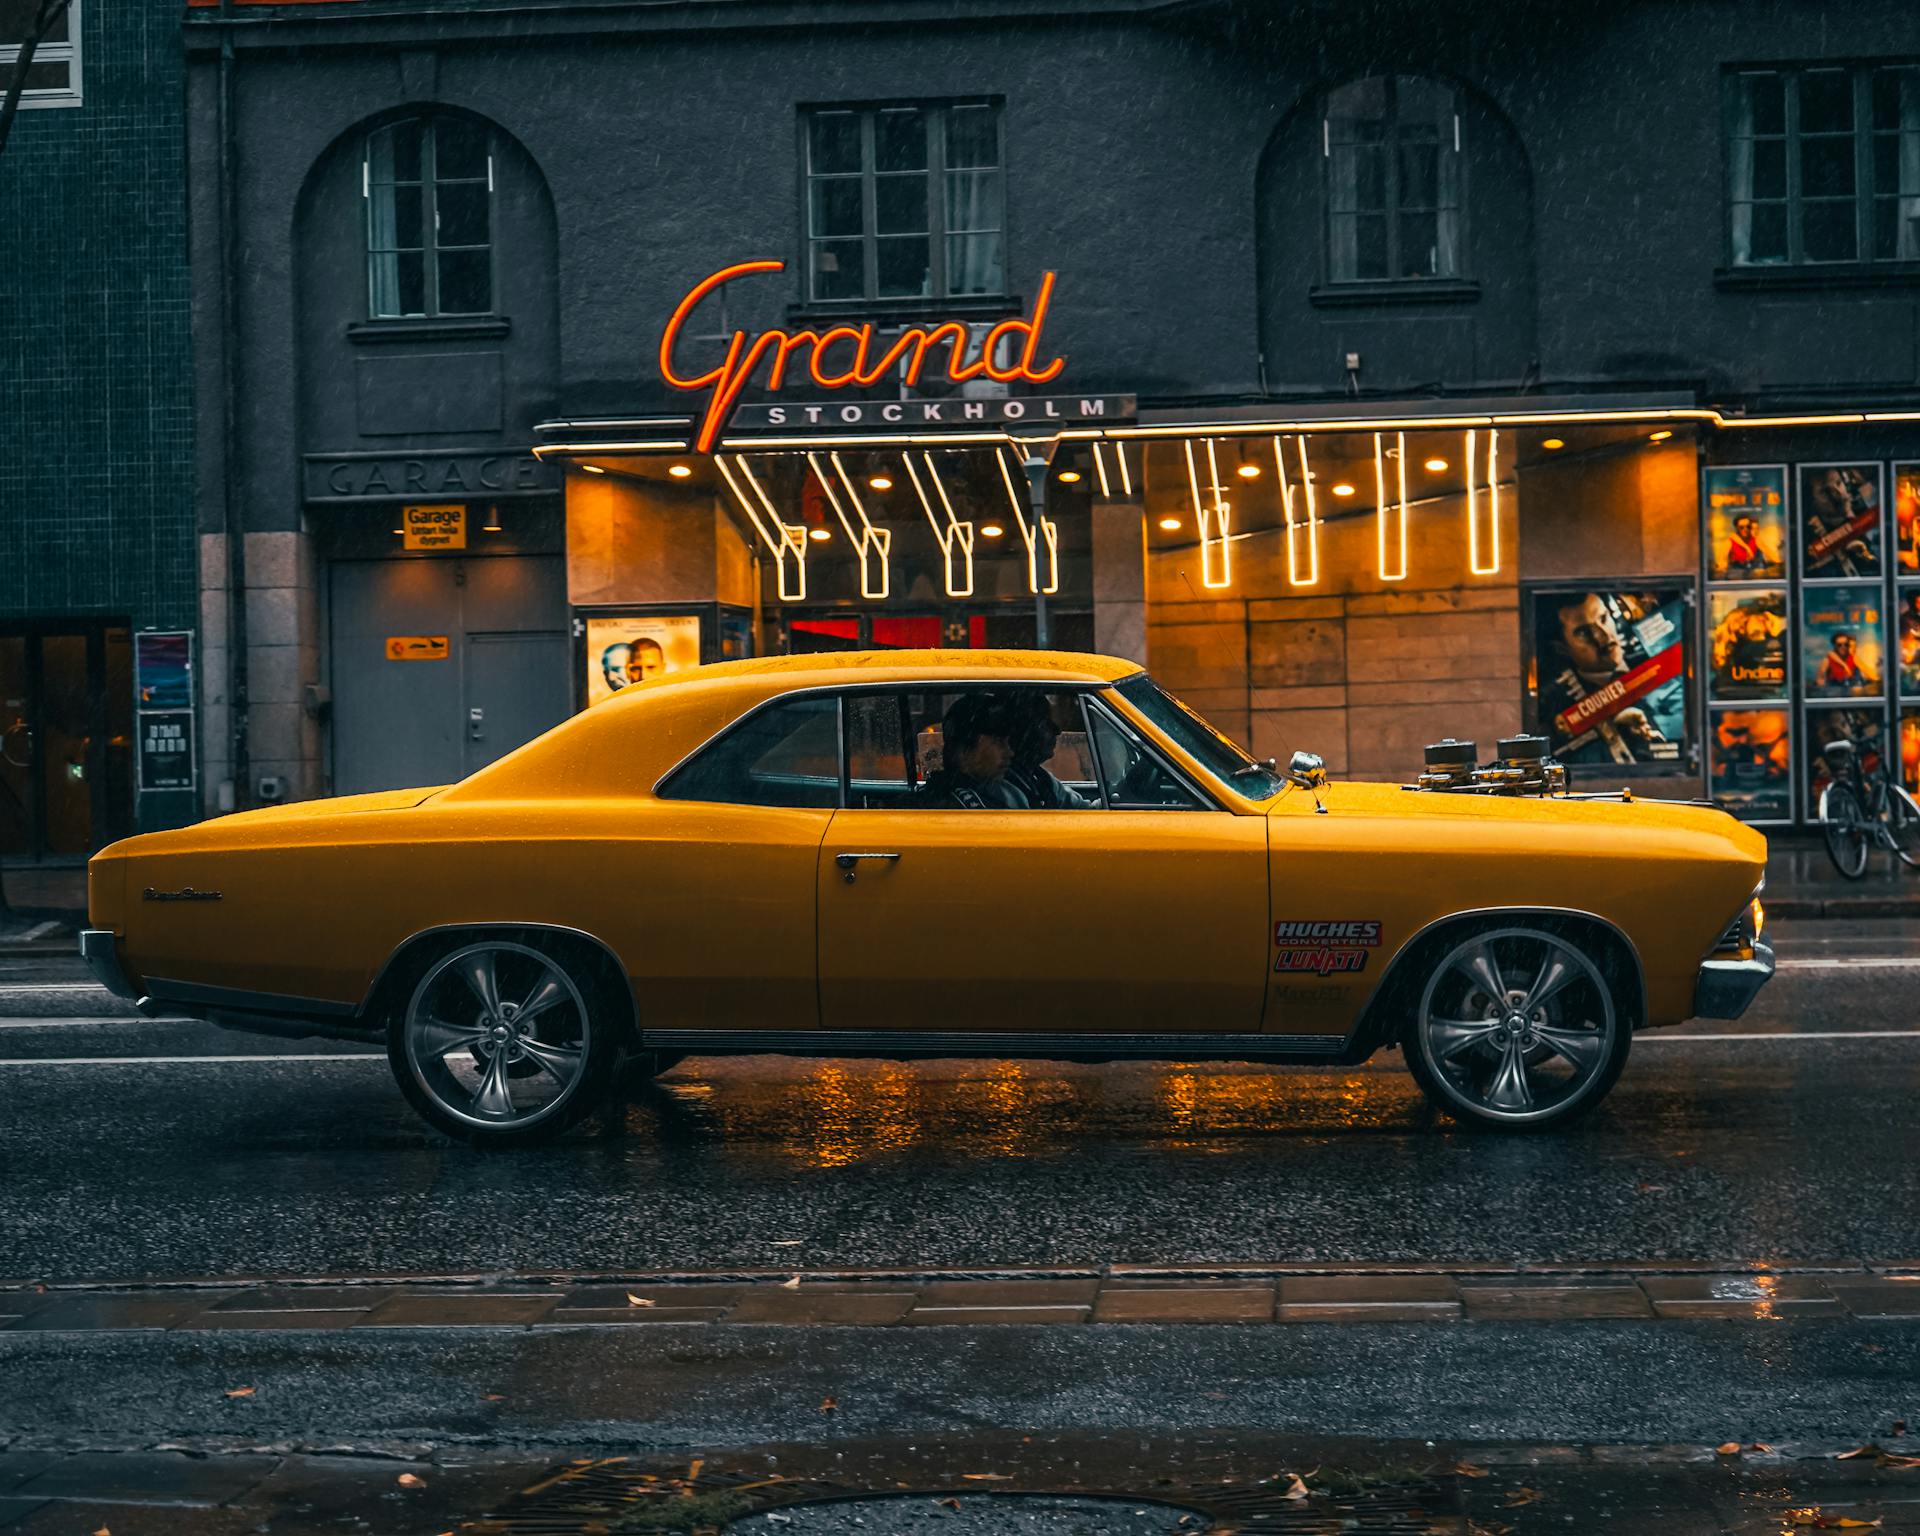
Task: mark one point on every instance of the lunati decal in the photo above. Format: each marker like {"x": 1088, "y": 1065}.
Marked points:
{"x": 1324, "y": 948}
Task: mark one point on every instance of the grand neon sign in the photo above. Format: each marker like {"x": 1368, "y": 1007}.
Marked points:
{"x": 854, "y": 363}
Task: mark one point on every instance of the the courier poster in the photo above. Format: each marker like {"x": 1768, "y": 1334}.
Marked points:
{"x": 1746, "y": 522}
{"x": 622, "y": 651}
{"x": 1752, "y": 763}
{"x": 1747, "y": 644}
{"x": 1612, "y": 673}
{"x": 1839, "y": 513}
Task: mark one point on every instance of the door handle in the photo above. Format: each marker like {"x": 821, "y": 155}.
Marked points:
{"x": 849, "y": 863}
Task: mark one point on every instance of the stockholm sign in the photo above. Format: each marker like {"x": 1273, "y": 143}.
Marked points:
{"x": 845, "y": 355}
{"x": 1026, "y": 409}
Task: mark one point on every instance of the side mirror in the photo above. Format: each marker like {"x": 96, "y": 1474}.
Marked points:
{"x": 1308, "y": 770}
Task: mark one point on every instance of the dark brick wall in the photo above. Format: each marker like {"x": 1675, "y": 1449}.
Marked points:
{"x": 96, "y": 406}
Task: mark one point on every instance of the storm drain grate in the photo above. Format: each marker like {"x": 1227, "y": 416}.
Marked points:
{"x": 617, "y": 1497}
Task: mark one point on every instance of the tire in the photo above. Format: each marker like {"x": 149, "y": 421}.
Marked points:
{"x": 506, "y": 1040}
{"x": 1518, "y": 1028}
{"x": 1903, "y": 820}
{"x": 1844, "y": 822}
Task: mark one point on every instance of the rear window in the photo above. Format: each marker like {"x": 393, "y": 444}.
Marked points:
{"x": 786, "y": 754}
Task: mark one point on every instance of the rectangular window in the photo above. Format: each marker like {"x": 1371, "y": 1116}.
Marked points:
{"x": 1823, "y": 164}
{"x": 785, "y": 755}
{"x": 53, "y": 78}
{"x": 1392, "y": 146}
{"x": 429, "y": 193}
{"x": 904, "y": 202}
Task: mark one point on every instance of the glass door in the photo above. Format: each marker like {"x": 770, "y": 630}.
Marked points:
{"x": 66, "y": 741}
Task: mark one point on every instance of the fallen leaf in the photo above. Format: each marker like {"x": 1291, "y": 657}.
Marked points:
{"x": 1900, "y": 1463}
{"x": 639, "y": 1301}
{"x": 239, "y": 1392}
{"x": 412, "y": 1480}
{"x": 787, "y": 1242}
{"x": 103, "y": 1531}
{"x": 493, "y": 1397}
{"x": 1296, "y": 1487}
{"x": 693, "y": 1468}
{"x": 1813, "y": 1516}
{"x": 1468, "y": 1469}
{"x": 1653, "y": 1189}
{"x": 953, "y": 1504}
{"x": 790, "y": 1285}
{"x": 987, "y": 1477}
{"x": 1762, "y": 1447}
{"x": 1860, "y": 1452}
{"x": 828, "y": 1404}
{"x": 1519, "y": 1496}
{"x": 1731, "y": 1448}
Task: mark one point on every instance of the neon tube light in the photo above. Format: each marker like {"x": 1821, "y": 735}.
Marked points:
{"x": 952, "y": 535}
{"x": 788, "y": 541}
{"x": 872, "y": 543}
{"x": 1032, "y": 535}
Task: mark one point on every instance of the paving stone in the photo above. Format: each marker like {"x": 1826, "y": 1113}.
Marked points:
{"x": 1009, "y": 1293}
{"x": 1757, "y": 1297}
{"x": 59, "y": 1517}
{"x": 111, "y": 1310}
{"x": 1372, "y": 1312}
{"x": 148, "y": 1477}
{"x": 465, "y": 1310}
{"x": 1185, "y": 1304}
{"x": 1364, "y": 1292}
{"x": 1552, "y": 1303}
{"x": 562, "y": 1317}
{"x": 310, "y": 1298}
{"x": 807, "y": 1305}
{"x": 615, "y": 1296}
{"x": 1751, "y": 1311}
{"x": 969, "y": 1316}
{"x": 17, "y": 1466}
{"x": 12, "y": 1511}
{"x": 226, "y": 1321}
{"x": 1878, "y": 1297}
{"x": 23, "y": 1302}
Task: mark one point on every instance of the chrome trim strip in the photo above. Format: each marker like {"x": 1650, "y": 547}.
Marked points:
{"x": 240, "y": 1000}
{"x": 98, "y": 947}
{"x": 1048, "y": 1046}
{"x": 1726, "y": 988}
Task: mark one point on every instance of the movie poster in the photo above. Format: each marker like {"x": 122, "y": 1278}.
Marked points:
{"x": 1751, "y": 764}
{"x": 1906, "y": 519}
{"x": 1746, "y": 522}
{"x": 1910, "y": 750}
{"x": 1839, "y": 516}
{"x": 1842, "y": 645}
{"x": 1612, "y": 669}
{"x": 625, "y": 651}
{"x": 1747, "y": 644}
{"x": 1907, "y": 627}
{"x": 1865, "y": 728}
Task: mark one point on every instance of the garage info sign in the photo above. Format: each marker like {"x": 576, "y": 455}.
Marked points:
{"x": 843, "y": 356}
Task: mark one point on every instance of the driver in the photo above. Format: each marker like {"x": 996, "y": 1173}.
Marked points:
{"x": 1034, "y": 739}
{"x": 976, "y": 751}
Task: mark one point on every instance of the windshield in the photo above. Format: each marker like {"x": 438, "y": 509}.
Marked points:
{"x": 1220, "y": 756}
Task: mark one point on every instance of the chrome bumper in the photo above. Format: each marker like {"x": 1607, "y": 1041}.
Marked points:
{"x": 1726, "y": 987}
{"x": 103, "y": 959}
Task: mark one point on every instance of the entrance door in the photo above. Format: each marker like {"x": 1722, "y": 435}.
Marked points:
{"x": 66, "y": 741}
{"x": 964, "y": 905}
{"x": 403, "y": 715}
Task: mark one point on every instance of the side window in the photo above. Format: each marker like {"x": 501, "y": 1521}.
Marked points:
{"x": 1004, "y": 749}
{"x": 1135, "y": 777}
{"x": 877, "y": 776}
{"x": 786, "y": 755}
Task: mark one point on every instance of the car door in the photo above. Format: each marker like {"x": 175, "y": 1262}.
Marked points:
{"x": 1143, "y": 912}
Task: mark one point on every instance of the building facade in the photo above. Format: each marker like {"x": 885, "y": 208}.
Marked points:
{"x": 1373, "y": 376}
{"x": 98, "y": 574}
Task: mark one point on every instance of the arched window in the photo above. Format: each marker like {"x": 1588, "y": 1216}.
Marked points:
{"x": 1392, "y": 147}
{"x": 428, "y": 185}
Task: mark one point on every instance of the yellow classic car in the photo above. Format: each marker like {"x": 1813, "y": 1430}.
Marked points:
{"x": 943, "y": 853}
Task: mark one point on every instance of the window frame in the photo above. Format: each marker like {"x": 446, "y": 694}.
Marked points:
{"x": 70, "y": 52}
{"x": 1865, "y": 196}
{"x": 430, "y": 248}
{"x": 938, "y": 110}
{"x": 1461, "y": 276}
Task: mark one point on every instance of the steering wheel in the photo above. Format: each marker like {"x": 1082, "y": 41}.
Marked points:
{"x": 1142, "y": 781}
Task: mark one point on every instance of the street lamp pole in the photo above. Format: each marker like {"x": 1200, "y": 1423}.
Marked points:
{"x": 1035, "y": 464}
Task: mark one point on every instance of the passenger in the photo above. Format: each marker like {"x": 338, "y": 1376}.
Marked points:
{"x": 976, "y": 752}
{"x": 1034, "y": 739}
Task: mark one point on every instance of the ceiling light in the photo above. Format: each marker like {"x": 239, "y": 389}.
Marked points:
{"x": 1249, "y": 471}
{"x": 1170, "y": 524}
{"x": 819, "y": 535}
{"x": 1661, "y": 436}
{"x": 1437, "y": 466}
{"x": 991, "y": 530}
{"x": 593, "y": 469}
{"x": 679, "y": 471}
{"x": 1551, "y": 443}
{"x": 1343, "y": 489}
{"x": 1069, "y": 476}
{"x": 881, "y": 483}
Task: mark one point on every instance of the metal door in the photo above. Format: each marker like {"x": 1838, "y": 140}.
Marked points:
{"x": 400, "y": 722}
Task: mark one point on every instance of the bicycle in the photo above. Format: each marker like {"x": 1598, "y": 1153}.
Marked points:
{"x": 1859, "y": 809}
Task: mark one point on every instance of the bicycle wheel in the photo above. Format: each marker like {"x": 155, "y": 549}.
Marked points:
{"x": 1903, "y": 820}
{"x": 1845, "y": 823}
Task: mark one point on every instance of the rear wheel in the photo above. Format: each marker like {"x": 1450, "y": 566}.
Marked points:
{"x": 505, "y": 1041}
{"x": 1903, "y": 820}
{"x": 1517, "y": 1029}
{"x": 1844, "y": 823}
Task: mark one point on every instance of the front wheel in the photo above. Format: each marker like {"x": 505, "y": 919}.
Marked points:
{"x": 1844, "y": 821}
{"x": 1517, "y": 1030}
{"x": 505, "y": 1041}
{"x": 1903, "y": 820}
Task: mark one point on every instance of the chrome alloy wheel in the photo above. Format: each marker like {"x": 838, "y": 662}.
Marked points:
{"x": 1517, "y": 1026}
{"x": 497, "y": 1036}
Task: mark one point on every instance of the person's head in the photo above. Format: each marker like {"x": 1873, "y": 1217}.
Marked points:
{"x": 1746, "y": 527}
{"x": 646, "y": 659}
{"x": 1590, "y": 637}
{"x": 976, "y": 736}
{"x": 613, "y": 664}
{"x": 1843, "y": 643}
{"x": 1035, "y": 735}
{"x": 1830, "y": 494}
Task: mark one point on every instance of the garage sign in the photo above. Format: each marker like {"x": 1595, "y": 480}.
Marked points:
{"x": 435, "y": 526}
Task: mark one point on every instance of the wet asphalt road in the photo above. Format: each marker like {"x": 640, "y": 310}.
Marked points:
{"x": 124, "y": 1161}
